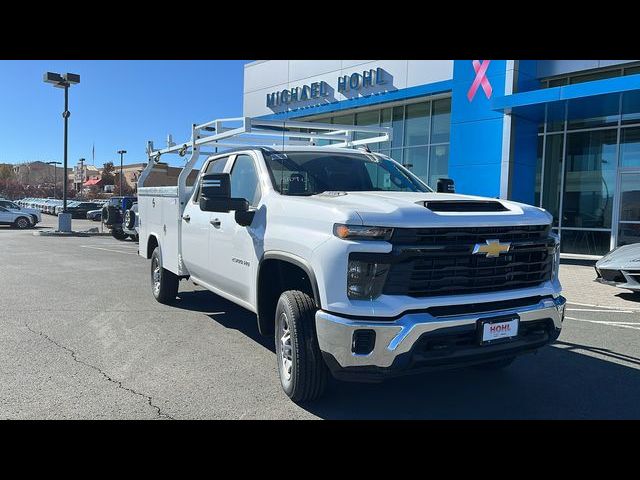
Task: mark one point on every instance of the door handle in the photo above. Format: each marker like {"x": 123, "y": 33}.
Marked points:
{"x": 186, "y": 218}
{"x": 215, "y": 223}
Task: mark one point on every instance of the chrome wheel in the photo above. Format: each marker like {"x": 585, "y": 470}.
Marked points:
{"x": 286, "y": 349}
{"x": 155, "y": 276}
{"x": 23, "y": 223}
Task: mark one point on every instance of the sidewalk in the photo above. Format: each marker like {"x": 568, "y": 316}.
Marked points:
{"x": 579, "y": 286}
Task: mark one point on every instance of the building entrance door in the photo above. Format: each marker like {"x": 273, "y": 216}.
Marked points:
{"x": 628, "y": 224}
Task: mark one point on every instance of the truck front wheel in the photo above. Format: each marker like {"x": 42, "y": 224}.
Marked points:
{"x": 303, "y": 373}
{"x": 164, "y": 283}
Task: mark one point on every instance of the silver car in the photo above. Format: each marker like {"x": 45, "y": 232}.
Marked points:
{"x": 621, "y": 267}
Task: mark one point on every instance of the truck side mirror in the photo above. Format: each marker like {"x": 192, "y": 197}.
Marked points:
{"x": 215, "y": 194}
{"x": 445, "y": 185}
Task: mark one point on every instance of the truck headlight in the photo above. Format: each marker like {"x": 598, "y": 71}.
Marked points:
{"x": 359, "y": 232}
{"x": 365, "y": 280}
{"x": 555, "y": 266}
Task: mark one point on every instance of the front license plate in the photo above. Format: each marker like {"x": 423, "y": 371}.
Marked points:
{"x": 494, "y": 330}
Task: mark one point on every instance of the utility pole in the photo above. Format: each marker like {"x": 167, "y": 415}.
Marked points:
{"x": 64, "y": 81}
{"x": 121, "y": 152}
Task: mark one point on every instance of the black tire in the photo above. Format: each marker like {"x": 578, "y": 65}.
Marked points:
{"x": 110, "y": 215}
{"x": 135, "y": 238}
{"x": 22, "y": 223}
{"x": 306, "y": 377}
{"x": 118, "y": 234}
{"x": 497, "y": 364}
{"x": 165, "y": 286}
{"x": 130, "y": 219}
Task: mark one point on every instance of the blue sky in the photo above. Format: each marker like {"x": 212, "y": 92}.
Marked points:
{"x": 118, "y": 104}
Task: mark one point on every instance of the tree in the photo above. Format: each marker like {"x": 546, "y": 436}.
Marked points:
{"x": 11, "y": 189}
{"x": 6, "y": 172}
{"x": 126, "y": 189}
{"x": 108, "y": 177}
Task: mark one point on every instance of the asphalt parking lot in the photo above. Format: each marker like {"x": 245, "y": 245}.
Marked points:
{"x": 82, "y": 337}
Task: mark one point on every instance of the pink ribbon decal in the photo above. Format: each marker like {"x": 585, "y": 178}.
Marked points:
{"x": 481, "y": 79}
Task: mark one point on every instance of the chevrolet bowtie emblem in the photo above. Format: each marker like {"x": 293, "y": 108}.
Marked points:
{"x": 492, "y": 248}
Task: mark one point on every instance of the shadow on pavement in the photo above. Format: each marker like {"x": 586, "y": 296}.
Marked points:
{"x": 227, "y": 314}
{"x": 630, "y": 296}
{"x": 559, "y": 382}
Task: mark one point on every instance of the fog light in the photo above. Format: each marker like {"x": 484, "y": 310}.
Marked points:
{"x": 363, "y": 342}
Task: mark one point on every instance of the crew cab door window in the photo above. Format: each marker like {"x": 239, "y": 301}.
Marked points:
{"x": 245, "y": 182}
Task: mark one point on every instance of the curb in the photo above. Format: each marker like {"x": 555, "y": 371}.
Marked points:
{"x": 55, "y": 233}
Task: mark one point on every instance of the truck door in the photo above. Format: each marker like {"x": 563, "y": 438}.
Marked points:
{"x": 234, "y": 249}
{"x": 196, "y": 229}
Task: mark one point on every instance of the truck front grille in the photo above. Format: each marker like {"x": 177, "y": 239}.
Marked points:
{"x": 432, "y": 262}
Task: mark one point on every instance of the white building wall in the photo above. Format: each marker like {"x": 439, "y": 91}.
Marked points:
{"x": 267, "y": 76}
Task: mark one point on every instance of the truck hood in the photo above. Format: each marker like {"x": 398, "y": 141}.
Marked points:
{"x": 407, "y": 209}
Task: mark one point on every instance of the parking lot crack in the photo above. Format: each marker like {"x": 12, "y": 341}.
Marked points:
{"x": 118, "y": 383}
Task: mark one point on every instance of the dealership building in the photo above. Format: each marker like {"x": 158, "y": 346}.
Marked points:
{"x": 560, "y": 134}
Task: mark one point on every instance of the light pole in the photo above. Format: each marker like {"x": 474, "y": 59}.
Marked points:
{"x": 121, "y": 152}
{"x": 55, "y": 183}
{"x": 63, "y": 81}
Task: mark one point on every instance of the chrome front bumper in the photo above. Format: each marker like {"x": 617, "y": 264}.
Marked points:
{"x": 393, "y": 338}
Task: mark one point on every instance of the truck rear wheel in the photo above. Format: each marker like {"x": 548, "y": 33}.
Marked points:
{"x": 164, "y": 284}
{"x": 303, "y": 373}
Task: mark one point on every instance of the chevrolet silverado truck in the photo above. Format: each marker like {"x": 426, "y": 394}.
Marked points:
{"x": 351, "y": 262}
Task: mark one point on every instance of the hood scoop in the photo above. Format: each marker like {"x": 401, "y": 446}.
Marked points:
{"x": 465, "y": 206}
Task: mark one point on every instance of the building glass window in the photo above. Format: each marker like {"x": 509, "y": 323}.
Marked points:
{"x": 438, "y": 164}
{"x": 441, "y": 121}
{"x": 553, "y": 176}
{"x": 416, "y": 160}
{"x": 590, "y": 179}
{"x": 344, "y": 119}
{"x": 397, "y": 123}
{"x": 630, "y": 147}
{"x": 630, "y": 107}
{"x": 421, "y": 132}
{"x": 416, "y": 127}
{"x": 368, "y": 118}
{"x": 538, "y": 186}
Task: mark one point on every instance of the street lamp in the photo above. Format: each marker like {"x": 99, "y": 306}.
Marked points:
{"x": 55, "y": 183}
{"x": 63, "y": 81}
{"x": 121, "y": 152}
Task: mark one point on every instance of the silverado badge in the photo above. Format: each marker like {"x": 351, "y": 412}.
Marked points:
{"x": 492, "y": 248}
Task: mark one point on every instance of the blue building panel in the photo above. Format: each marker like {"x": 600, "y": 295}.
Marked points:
{"x": 476, "y": 127}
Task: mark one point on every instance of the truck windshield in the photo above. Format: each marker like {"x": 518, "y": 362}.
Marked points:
{"x": 310, "y": 173}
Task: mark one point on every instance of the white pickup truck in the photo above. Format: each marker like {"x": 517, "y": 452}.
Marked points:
{"x": 354, "y": 264}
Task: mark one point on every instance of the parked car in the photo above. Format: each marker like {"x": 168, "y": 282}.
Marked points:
{"x": 350, "y": 261}
{"x": 621, "y": 268}
{"x": 80, "y": 209}
{"x": 131, "y": 221}
{"x": 113, "y": 215}
{"x": 32, "y": 212}
{"x": 57, "y": 209}
{"x": 15, "y": 218}
{"x": 51, "y": 205}
{"x": 95, "y": 215}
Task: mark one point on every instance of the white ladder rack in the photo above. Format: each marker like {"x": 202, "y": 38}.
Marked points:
{"x": 254, "y": 132}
